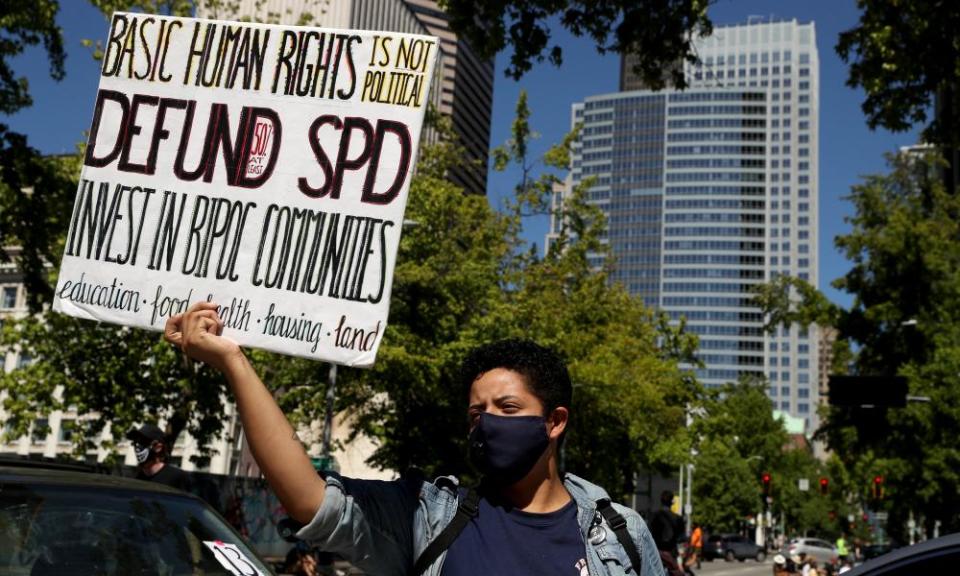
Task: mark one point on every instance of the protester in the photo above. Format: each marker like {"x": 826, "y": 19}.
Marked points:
{"x": 667, "y": 529}
{"x": 780, "y": 566}
{"x": 524, "y": 518}
{"x": 694, "y": 547}
{"x": 842, "y": 551}
{"x": 151, "y": 449}
{"x": 666, "y": 525}
{"x": 801, "y": 566}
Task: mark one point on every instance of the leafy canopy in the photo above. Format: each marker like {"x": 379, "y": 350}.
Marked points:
{"x": 657, "y": 32}
{"x": 904, "y": 247}
{"x": 28, "y": 219}
{"x": 902, "y": 54}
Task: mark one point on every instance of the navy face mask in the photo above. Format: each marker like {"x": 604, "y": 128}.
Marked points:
{"x": 505, "y": 448}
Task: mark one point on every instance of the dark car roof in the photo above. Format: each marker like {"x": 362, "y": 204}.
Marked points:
{"x": 74, "y": 478}
{"x": 949, "y": 544}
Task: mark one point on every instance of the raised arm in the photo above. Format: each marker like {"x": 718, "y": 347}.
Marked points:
{"x": 272, "y": 439}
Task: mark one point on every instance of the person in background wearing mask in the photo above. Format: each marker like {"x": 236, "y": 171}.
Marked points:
{"x": 526, "y": 517}
{"x": 150, "y": 447}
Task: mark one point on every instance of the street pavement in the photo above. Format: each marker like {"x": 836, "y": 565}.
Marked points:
{"x": 748, "y": 568}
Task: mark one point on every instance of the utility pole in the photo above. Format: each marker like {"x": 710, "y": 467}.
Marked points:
{"x": 688, "y": 505}
{"x": 681, "y": 493}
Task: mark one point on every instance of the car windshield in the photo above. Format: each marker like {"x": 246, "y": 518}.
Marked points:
{"x": 76, "y": 531}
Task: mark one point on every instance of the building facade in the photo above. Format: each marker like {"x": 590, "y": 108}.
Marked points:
{"x": 463, "y": 87}
{"x": 711, "y": 191}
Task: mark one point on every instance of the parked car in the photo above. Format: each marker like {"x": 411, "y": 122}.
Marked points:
{"x": 937, "y": 556}
{"x": 64, "y": 522}
{"x": 732, "y": 547}
{"x": 821, "y": 550}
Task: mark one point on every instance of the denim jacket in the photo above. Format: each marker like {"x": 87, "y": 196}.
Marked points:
{"x": 381, "y": 527}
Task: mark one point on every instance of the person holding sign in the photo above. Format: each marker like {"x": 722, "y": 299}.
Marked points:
{"x": 525, "y": 518}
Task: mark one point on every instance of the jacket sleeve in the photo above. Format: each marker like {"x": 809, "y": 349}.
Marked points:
{"x": 367, "y": 522}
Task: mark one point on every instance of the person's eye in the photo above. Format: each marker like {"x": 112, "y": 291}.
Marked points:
{"x": 510, "y": 409}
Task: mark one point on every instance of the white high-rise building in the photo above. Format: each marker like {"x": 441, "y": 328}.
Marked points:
{"x": 711, "y": 191}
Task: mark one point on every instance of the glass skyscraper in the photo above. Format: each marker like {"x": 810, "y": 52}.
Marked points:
{"x": 713, "y": 190}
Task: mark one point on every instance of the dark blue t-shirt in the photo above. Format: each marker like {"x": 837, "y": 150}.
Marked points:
{"x": 502, "y": 541}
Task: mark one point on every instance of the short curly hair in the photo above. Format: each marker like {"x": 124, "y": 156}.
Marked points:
{"x": 543, "y": 371}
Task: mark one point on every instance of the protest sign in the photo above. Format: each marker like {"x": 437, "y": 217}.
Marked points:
{"x": 261, "y": 167}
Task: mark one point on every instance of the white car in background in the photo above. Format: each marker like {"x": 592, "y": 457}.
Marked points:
{"x": 821, "y": 550}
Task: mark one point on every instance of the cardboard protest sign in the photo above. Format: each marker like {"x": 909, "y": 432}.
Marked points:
{"x": 262, "y": 167}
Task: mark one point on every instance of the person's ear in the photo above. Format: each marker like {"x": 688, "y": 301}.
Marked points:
{"x": 557, "y": 422}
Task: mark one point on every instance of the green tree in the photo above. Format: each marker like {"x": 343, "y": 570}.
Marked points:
{"x": 902, "y": 54}
{"x": 113, "y": 377}
{"x": 809, "y": 512}
{"x": 726, "y": 490}
{"x": 906, "y": 259}
{"x": 738, "y": 440}
{"x": 906, "y": 58}
{"x": 743, "y": 414}
{"x": 27, "y": 219}
{"x": 658, "y": 32}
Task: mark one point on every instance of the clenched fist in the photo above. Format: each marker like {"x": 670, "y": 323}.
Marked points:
{"x": 197, "y": 333}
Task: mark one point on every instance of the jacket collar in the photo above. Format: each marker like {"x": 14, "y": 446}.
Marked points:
{"x": 584, "y": 493}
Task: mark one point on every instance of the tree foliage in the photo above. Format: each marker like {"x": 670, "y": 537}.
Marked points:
{"x": 26, "y": 23}
{"x": 902, "y": 54}
{"x": 658, "y": 32}
{"x": 112, "y": 377}
{"x": 738, "y": 440}
{"x": 726, "y": 489}
{"x": 28, "y": 219}
{"x": 905, "y": 279}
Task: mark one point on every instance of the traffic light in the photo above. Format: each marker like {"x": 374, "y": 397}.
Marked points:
{"x": 878, "y": 487}
{"x": 765, "y": 480}
{"x": 858, "y": 391}
{"x": 824, "y": 486}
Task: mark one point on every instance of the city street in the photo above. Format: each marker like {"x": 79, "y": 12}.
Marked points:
{"x": 748, "y": 568}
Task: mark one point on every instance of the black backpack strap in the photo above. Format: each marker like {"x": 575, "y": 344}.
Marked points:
{"x": 619, "y": 526}
{"x": 466, "y": 510}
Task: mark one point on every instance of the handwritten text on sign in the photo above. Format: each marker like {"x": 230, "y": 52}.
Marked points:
{"x": 262, "y": 167}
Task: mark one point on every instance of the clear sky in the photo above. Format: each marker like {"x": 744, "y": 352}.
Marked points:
{"x": 848, "y": 149}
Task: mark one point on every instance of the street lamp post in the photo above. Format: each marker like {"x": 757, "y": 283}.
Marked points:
{"x": 760, "y": 534}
